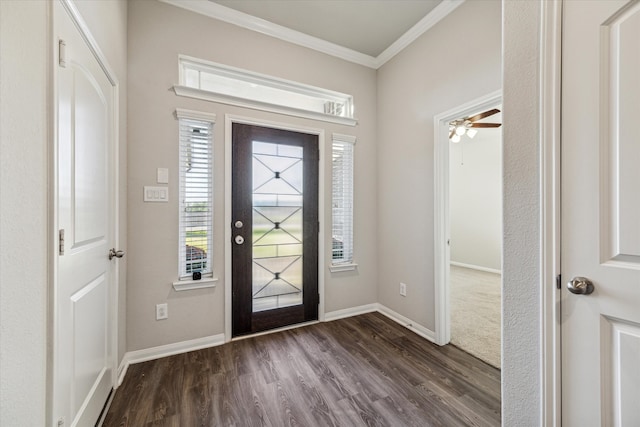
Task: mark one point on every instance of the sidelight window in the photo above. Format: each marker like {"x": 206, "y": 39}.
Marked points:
{"x": 196, "y": 194}
{"x": 342, "y": 202}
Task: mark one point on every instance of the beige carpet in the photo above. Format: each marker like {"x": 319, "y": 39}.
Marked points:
{"x": 475, "y": 313}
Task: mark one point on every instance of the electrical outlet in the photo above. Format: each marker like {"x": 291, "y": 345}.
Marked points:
{"x": 403, "y": 289}
{"x": 162, "y": 311}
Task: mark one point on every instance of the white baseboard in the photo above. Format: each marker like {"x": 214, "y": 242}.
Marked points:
{"x": 408, "y": 323}
{"x": 153, "y": 353}
{"x": 348, "y": 312}
{"x": 475, "y": 267}
{"x": 398, "y": 318}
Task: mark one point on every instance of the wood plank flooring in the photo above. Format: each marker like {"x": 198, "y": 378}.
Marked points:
{"x": 360, "y": 371}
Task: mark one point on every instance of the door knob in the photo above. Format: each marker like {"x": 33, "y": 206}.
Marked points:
{"x": 117, "y": 254}
{"x": 239, "y": 240}
{"x": 580, "y": 286}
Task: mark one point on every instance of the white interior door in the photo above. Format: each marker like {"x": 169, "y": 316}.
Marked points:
{"x": 84, "y": 291}
{"x": 601, "y": 212}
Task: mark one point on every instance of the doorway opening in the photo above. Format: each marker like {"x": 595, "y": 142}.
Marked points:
{"x": 468, "y": 246}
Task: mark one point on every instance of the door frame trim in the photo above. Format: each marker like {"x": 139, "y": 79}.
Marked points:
{"x": 83, "y": 29}
{"x": 550, "y": 194}
{"x": 228, "y": 122}
{"x": 442, "y": 253}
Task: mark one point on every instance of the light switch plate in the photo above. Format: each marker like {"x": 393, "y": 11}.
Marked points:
{"x": 163, "y": 176}
{"x": 156, "y": 194}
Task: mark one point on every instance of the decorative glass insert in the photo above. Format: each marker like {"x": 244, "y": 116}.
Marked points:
{"x": 277, "y": 225}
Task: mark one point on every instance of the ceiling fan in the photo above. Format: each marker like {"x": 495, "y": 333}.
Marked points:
{"x": 466, "y": 125}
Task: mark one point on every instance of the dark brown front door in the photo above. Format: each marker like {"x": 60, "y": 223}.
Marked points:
{"x": 274, "y": 228}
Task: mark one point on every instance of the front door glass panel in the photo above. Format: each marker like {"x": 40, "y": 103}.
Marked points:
{"x": 277, "y": 210}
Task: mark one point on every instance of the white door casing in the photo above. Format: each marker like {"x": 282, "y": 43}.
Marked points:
{"x": 85, "y": 282}
{"x": 442, "y": 233}
{"x": 601, "y": 212}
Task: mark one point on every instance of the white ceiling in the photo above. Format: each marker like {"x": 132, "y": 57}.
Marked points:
{"x": 366, "y": 32}
{"x": 365, "y": 26}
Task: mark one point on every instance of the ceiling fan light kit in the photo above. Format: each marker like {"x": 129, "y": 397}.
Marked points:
{"x": 465, "y": 126}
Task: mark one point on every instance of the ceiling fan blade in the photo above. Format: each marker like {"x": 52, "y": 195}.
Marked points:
{"x": 485, "y": 125}
{"x": 483, "y": 115}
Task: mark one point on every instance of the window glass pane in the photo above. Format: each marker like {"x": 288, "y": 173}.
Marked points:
{"x": 277, "y": 226}
{"x": 243, "y": 84}
{"x": 196, "y": 198}
{"x": 342, "y": 202}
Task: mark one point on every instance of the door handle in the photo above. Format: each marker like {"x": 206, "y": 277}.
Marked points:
{"x": 239, "y": 240}
{"x": 580, "y": 286}
{"x": 115, "y": 254}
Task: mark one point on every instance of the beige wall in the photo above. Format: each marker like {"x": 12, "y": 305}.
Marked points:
{"x": 157, "y": 34}
{"x": 475, "y": 200}
{"x": 457, "y": 61}
{"x": 23, "y": 211}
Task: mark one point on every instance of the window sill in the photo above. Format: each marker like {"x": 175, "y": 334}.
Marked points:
{"x": 188, "y": 285}
{"x": 337, "y": 268}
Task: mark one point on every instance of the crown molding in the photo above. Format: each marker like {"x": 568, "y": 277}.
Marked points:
{"x": 424, "y": 25}
{"x": 231, "y": 16}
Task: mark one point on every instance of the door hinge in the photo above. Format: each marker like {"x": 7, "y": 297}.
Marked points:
{"x": 61, "y": 242}
{"x": 62, "y": 53}
{"x": 559, "y": 281}
{"x": 318, "y": 227}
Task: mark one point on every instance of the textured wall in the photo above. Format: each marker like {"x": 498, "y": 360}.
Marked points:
{"x": 434, "y": 74}
{"x": 159, "y": 32}
{"x": 23, "y": 211}
{"x": 521, "y": 312}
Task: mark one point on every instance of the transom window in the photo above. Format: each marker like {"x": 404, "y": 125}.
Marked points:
{"x": 221, "y": 83}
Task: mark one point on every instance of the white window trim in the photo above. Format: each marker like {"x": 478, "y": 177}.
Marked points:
{"x": 188, "y": 285}
{"x": 208, "y": 281}
{"x": 181, "y": 89}
{"x": 337, "y": 267}
{"x": 182, "y": 113}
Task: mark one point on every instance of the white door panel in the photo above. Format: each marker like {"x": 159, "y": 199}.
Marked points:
{"x": 85, "y": 281}
{"x": 601, "y": 212}
{"x": 90, "y": 160}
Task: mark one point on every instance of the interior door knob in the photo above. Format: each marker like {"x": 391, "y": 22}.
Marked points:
{"x": 580, "y": 286}
{"x": 115, "y": 254}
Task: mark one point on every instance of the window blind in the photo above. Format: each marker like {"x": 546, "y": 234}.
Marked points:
{"x": 342, "y": 199}
{"x": 196, "y": 197}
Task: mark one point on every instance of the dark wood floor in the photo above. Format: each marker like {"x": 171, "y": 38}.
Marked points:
{"x": 360, "y": 371}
